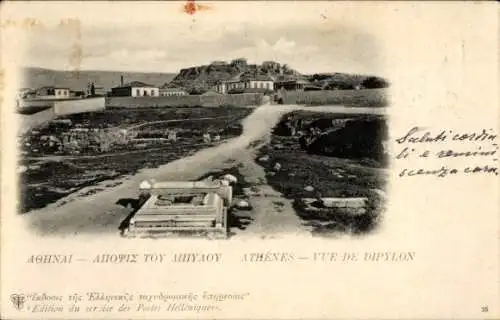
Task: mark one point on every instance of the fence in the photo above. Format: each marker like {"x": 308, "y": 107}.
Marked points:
{"x": 238, "y": 100}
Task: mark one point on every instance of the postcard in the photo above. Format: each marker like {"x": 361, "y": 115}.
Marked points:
{"x": 249, "y": 160}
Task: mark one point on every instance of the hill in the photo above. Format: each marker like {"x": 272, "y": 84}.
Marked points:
{"x": 206, "y": 76}
{"x": 39, "y": 77}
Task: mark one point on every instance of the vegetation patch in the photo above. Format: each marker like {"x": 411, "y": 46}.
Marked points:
{"x": 298, "y": 173}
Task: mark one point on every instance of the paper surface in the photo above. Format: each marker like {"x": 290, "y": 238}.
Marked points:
{"x": 434, "y": 253}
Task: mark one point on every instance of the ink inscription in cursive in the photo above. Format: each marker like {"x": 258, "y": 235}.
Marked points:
{"x": 444, "y": 148}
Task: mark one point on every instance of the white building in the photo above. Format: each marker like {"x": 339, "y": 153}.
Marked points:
{"x": 168, "y": 92}
{"x": 52, "y": 92}
{"x": 263, "y": 82}
{"x": 136, "y": 89}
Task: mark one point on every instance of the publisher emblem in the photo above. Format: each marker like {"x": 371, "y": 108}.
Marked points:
{"x": 17, "y": 300}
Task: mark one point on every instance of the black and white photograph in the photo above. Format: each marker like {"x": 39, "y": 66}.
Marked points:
{"x": 250, "y": 130}
{"x": 249, "y": 160}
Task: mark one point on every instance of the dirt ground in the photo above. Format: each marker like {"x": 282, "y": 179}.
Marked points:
{"x": 105, "y": 211}
{"x": 49, "y": 174}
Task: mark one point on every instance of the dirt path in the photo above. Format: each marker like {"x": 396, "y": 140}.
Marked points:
{"x": 273, "y": 215}
{"x": 103, "y": 212}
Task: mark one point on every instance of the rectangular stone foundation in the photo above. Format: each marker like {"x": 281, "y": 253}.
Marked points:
{"x": 177, "y": 208}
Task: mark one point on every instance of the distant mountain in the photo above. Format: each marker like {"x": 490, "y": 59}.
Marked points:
{"x": 39, "y": 77}
{"x": 207, "y": 76}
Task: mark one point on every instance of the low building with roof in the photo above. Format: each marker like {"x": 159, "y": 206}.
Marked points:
{"x": 172, "y": 91}
{"x": 135, "y": 89}
{"x": 24, "y": 93}
{"x": 52, "y": 92}
{"x": 243, "y": 82}
{"x": 77, "y": 93}
{"x": 258, "y": 82}
{"x": 292, "y": 84}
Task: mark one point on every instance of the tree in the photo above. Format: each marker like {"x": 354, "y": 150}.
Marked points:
{"x": 374, "y": 83}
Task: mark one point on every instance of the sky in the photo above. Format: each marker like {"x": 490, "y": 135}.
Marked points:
{"x": 160, "y": 37}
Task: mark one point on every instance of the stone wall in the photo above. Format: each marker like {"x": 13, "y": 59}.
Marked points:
{"x": 237, "y": 100}
{"x": 78, "y": 106}
{"x": 347, "y": 98}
